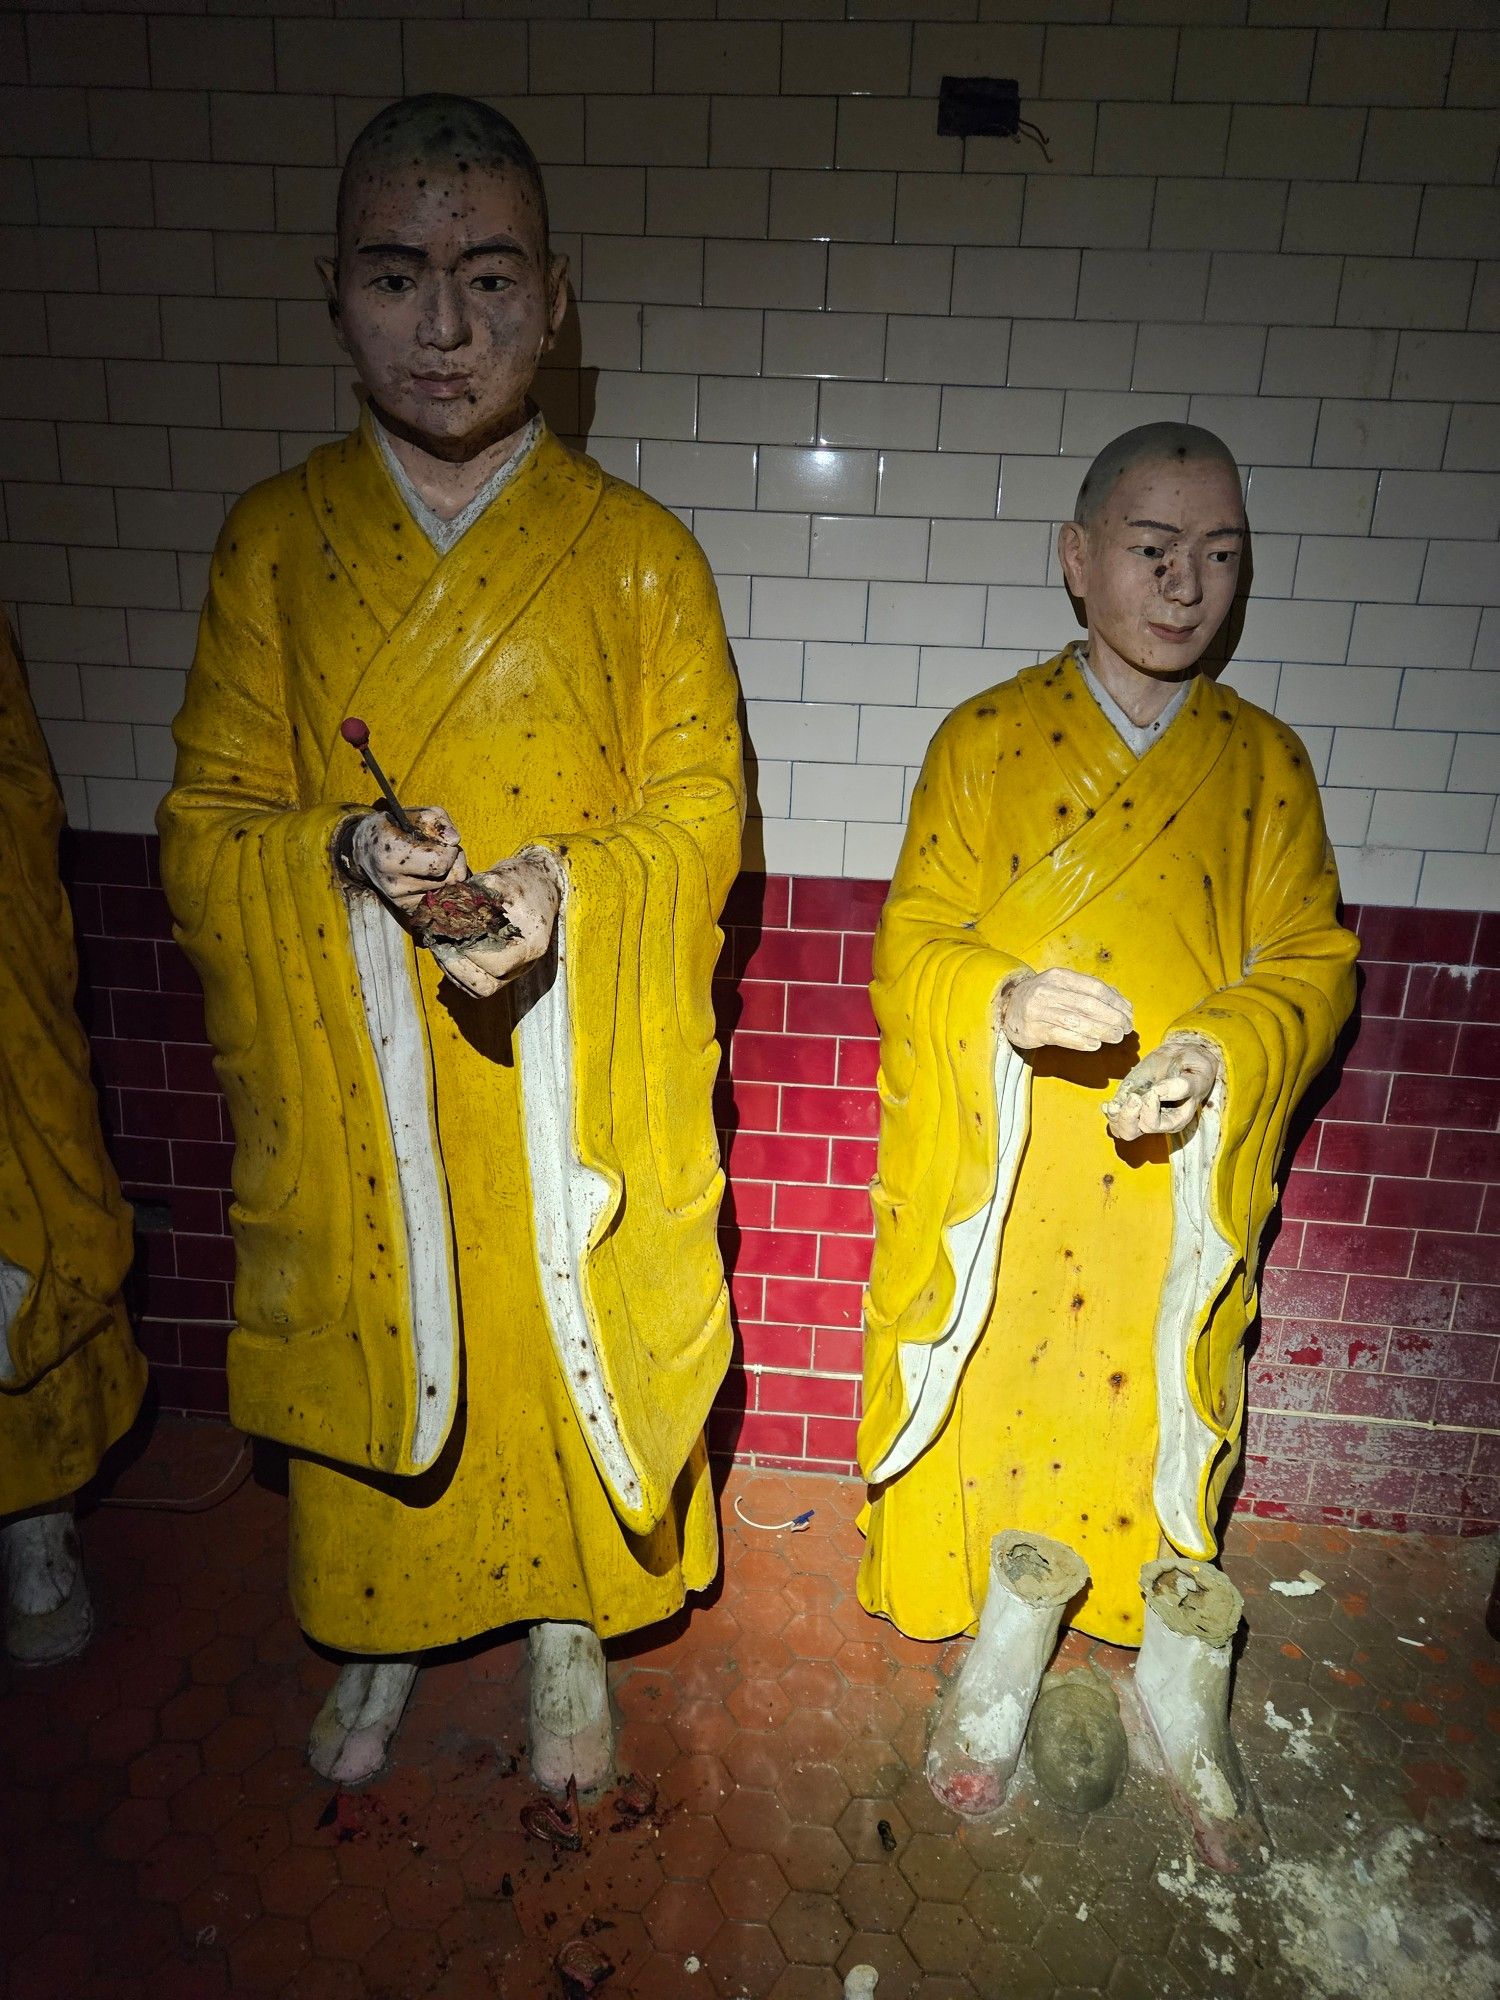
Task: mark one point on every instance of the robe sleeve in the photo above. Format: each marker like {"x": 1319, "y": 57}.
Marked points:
{"x": 325, "y": 1353}
{"x": 954, "y": 1099}
{"x": 618, "y": 1058}
{"x": 1275, "y": 1028}
{"x": 71, "y": 1376}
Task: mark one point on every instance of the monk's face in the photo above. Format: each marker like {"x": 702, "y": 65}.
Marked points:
{"x": 445, "y": 299}
{"x": 1158, "y": 565}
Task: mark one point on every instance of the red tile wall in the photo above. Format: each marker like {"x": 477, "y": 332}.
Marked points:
{"x": 1373, "y": 1389}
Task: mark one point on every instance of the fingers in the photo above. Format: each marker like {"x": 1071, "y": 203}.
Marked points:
{"x": 475, "y": 979}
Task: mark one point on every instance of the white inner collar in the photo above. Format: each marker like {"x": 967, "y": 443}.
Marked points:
{"x": 443, "y": 534}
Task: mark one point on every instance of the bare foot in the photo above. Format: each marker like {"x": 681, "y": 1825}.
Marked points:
{"x": 48, "y": 1615}
{"x": 570, "y": 1731}
{"x": 353, "y": 1729}
{"x": 1182, "y": 1684}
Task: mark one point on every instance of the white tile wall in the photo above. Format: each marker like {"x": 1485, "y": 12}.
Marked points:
{"x": 866, "y": 363}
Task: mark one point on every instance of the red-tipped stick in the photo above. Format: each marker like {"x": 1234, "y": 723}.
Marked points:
{"x": 356, "y": 732}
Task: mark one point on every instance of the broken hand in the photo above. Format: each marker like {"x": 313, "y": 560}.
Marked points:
{"x": 403, "y": 869}
{"x": 1166, "y": 1089}
{"x": 1061, "y": 1009}
{"x": 530, "y": 885}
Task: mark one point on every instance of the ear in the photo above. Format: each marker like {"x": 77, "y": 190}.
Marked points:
{"x": 1072, "y": 553}
{"x": 557, "y": 297}
{"x": 328, "y": 274}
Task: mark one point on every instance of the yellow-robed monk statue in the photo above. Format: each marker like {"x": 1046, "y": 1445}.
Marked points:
{"x": 476, "y": 1179}
{"x": 71, "y": 1376}
{"x": 1109, "y": 966}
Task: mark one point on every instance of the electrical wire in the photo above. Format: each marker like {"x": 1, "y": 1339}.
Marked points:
{"x": 795, "y": 1526}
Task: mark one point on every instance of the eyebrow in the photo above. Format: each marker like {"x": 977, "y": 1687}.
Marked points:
{"x": 492, "y": 246}
{"x": 1166, "y": 528}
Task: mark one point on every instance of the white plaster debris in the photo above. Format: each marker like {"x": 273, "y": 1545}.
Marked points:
{"x": 1082, "y": 1913}
{"x": 1300, "y": 1744}
{"x": 1305, "y": 1585}
{"x": 692, "y": 1963}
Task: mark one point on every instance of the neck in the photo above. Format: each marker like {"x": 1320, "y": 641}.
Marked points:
{"x": 1143, "y": 696}
{"x": 448, "y": 485}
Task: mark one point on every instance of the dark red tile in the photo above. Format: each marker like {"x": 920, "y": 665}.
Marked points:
{"x": 816, "y": 1301}
{"x": 805, "y": 1108}
{"x": 1478, "y": 1309}
{"x": 1424, "y": 1204}
{"x": 1437, "y": 936}
{"x": 1325, "y": 1197}
{"x": 1470, "y": 1102}
{"x": 1471, "y": 1258}
{"x": 785, "y": 1058}
{"x": 1329, "y": 1246}
{"x": 1373, "y": 1301}
{"x": 1453, "y": 993}
{"x": 804, "y": 956}
{"x": 1422, "y": 1046}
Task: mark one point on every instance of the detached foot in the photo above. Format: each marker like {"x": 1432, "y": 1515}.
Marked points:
{"x": 352, "y": 1734}
{"x": 48, "y": 1615}
{"x": 976, "y": 1743}
{"x": 1182, "y": 1681}
{"x": 569, "y": 1728}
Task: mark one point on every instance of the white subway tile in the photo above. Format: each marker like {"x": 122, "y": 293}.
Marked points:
{"x": 155, "y": 260}
{"x": 1434, "y": 698}
{"x": 784, "y": 132}
{"x": 1406, "y": 758}
{"x": 93, "y": 193}
{"x": 1220, "y": 360}
{"x": 699, "y": 475}
{"x": 897, "y": 416}
{"x": 1231, "y": 65}
{"x": 54, "y": 689}
{"x": 836, "y": 672}
{"x": 83, "y": 748}
{"x": 990, "y": 48}
{"x": 652, "y": 270}
{"x": 947, "y": 483}
{"x": 605, "y": 201}
{"x": 895, "y": 735}
{"x": 869, "y": 789}
{"x": 771, "y": 670}
{"x": 704, "y": 201}
{"x": 1273, "y": 564}
{"x": 1039, "y": 489}
{"x": 958, "y": 208}
{"x": 646, "y": 132}
{"x": 71, "y": 514}
{"x": 1461, "y": 573}
{"x": 1473, "y": 438}
{"x": 1405, "y": 291}
{"x": 1091, "y": 417}
{"x": 868, "y": 546}
{"x": 758, "y": 409}
{"x": 261, "y": 264}
{"x": 161, "y": 639}
{"x": 1294, "y": 142}
{"x": 365, "y": 58}
{"x": 1356, "y": 567}
{"x": 744, "y": 273}
{"x": 1162, "y": 138}
{"x": 1475, "y": 76}
{"x": 1068, "y": 125}
{"x": 1217, "y": 214}
{"x": 1453, "y": 146}
{"x": 1339, "y": 218}
{"x": 25, "y": 327}
{"x": 1112, "y": 213}
{"x": 1462, "y": 366}
{"x": 1453, "y": 820}
{"x": 1474, "y": 763}
{"x": 792, "y": 729}
{"x": 154, "y": 520}
{"x": 833, "y": 206}
{"x": 1070, "y": 354}
{"x": 1379, "y": 875}
{"x": 120, "y": 693}
{"x": 38, "y": 386}
{"x": 1346, "y": 696}
{"x": 257, "y": 126}
{"x": 1102, "y": 63}
{"x": 895, "y": 133}
{"x": 1484, "y": 308}
{"x": 1462, "y": 505}
{"x": 927, "y": 614}
{"x": 1133, "y": 284}
{"x": 72, "y": 633}
{"x": 1301, "y": 290}
{"x": 450, "y": 55}
{"x": 1260, "y": 430}
{"x": 619, "y": 457}
{"x": 144, "y": 577}
{"x": 213, "y": 459}
{"x": 1008, "y": 420}
{"x": 888, "y": 278}
{"x": 820, "y": 481}
{"x": 751, "y": 544}
{"x": 112, "y": 51}
{"x": 945, "y": 348}
{"x": 871, "y": 852}
{"x": 989, "y": 552}
{"x": 1292, "y": 500}
{"x": 1328, "y": 361}
{"x": 1256, "y": 680}
{"x": 261, "y": 398}
{"x": 611, "y": 333}
{"x": 1029, "y": 616}
{"x": 1381, "y": 66}
{"x": 50, "y": 259}
{"x": 39, "y": 122}
{"x": 1459, "y": 222}
{"x": 604, "y": 56}
{"x": 155, "y": 752}
{"x": 236, "y": 197}
{"x": 811, "y": 608}
{"x": 734, "y": 602}
{"x": 644, "y": 406}
{"x": 1460, "y": 881}
{"x": 126, "y": 325}
{"x": 798, "y": 846}
{"x": 119, "y": 805}
{"x": 29, "y": 450}
{"x": 1019, "y": 284}
{"x": 1414, "y": 635}
{"x": 850, "y": 345}
{"x": 849, "y": 58}
{"x": 950, "y": 674}
{"x": 1346, "y": 813}
{"x": 1295, "y": 629}
{"x": 31, "y": 573}
{"x": 685, "y": 340}
{"x": 1380, "y": 434}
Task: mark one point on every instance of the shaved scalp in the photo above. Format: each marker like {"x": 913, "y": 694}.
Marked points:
{"x": 1156, "y": 444}
{"x": 439, "y": 130}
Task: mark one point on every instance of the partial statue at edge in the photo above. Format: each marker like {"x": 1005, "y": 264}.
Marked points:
{"x": 479, "y": 1290}
{"x": 1109, "y": 967}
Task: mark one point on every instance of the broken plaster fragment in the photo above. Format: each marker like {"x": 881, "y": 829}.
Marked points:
{"x": 1305, "y": 1585}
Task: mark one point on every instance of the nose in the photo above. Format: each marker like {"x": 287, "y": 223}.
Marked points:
{"x": 444, "y": 322}
{"x": 1183, "y": 582}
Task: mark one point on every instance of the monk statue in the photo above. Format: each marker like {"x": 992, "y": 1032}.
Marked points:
{"x": 476, "y": 1177}
{"x": 1109, "y": 966}
{"x": 71, "y": 1376}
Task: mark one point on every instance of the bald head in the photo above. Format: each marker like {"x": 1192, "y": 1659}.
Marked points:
{"x": 1149, "y": 444}
{"x": 438, "y": 130}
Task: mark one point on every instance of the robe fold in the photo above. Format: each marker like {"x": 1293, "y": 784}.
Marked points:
{"x": 1055, "y": 1322}
{"x": 478, "y": 1282}
{"x": 71, "y": 1376}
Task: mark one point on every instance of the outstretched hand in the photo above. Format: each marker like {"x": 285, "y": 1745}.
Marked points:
{"x": 1166, "y": 1089}
{"x": 530, "y": 885}
{"x": 1061, "y": 1010}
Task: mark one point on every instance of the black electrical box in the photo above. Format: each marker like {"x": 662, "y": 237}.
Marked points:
{"x": 974, "y": 106}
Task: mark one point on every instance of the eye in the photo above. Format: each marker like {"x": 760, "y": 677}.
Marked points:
{"x": 1151, "y": 553}
{"x": 392, "y": 283}
{"x": 1224, "y": 555}
{"x": 491, "y": 281}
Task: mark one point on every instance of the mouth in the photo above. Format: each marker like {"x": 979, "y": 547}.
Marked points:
{"x": 441, "y": 388}
{"x": 1172, "y": 635}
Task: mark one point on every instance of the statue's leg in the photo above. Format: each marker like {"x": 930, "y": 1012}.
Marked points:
{"x": 353, "y": 1729}
{"x": 981, "y": 1725}
{"x": 48, "y": 1616}
{"x": 570, "y": 1731}
{"x": 1182, "y": 1681}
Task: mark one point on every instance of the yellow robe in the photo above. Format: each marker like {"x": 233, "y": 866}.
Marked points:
{"x": 71, "y": 1376}
{"x": 478, "y": 1284}
{"x": 1054, "y": 1321}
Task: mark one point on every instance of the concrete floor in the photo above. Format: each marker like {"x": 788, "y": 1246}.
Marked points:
{"x": 161, "y": 1837}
